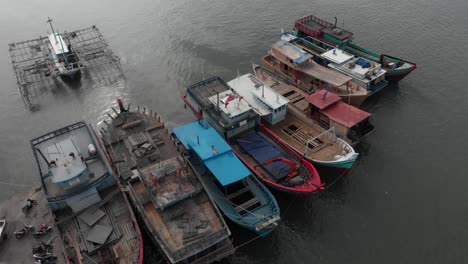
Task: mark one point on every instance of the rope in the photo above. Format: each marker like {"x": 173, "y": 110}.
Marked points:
{"x": 248, "y": 242}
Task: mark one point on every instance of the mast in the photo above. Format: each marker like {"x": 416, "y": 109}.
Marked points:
{"x": 50, "y": 22}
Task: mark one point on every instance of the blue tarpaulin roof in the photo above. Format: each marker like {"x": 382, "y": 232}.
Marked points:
{"x": 213, "y": 150}
{"x": 263, "y": 150}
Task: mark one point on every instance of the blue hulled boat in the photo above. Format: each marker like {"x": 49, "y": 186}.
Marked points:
{"x": 240, "y": 195}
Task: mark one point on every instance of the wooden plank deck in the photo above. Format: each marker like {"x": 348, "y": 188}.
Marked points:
{"x": 297, "y": 134}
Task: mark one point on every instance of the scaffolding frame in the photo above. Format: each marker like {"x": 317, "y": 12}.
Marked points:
{"x": 35, "y": 66}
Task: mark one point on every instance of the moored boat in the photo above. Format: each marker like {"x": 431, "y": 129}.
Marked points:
{"x": 365, "y": 72}
{"x": 233, "y": 117}
{"x": 241, "y": 197}
{"x": 311, "y": 141}
{"x": 396, "y": 69}
{"x": 178, "y": 214}
{"x": 92, "y": 214}
{"x": 349, "y": 123}
{"x": 298, "y": 66}
{"x": 65, "y": 59}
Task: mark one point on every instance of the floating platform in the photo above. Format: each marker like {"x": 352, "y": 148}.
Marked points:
{"x": 34, "y": 63}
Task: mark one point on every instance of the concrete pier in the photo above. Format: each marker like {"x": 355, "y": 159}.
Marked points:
{"x": 19, "y": 251}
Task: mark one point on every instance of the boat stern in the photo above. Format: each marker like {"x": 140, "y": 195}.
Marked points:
{"x": 265, "y": 228}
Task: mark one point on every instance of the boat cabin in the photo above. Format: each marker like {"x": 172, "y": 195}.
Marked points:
{"x": 213, "y": 151}
{"x": 348, "y": 121}
{"x": 231, "y": 106}
{"x": 66, "y": 165}
{"x": 215, "y": 101}
{"x": 59, "y": 46}
{"x": 367, "y": 73}
{"x": 269, "y": 104}
{"x": 299, "y": 67}
{"x": 73, "y": 173}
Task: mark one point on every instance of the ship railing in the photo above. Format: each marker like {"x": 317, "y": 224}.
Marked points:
{"x": 299, "y": 24}
{"x": 315, "y": 19}
{"x": 208, "y": 240}
{"x": 57, "y": 133}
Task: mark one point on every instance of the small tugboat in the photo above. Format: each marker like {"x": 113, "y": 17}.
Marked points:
{"x": 242, "y": 197}
{"x": 366, "y": 73}
{"x": 277, "y": 165}
{"x": 299, "y": 68}
{"x": 350, "y": 123}
{"x": 66, "y": 61}
{"x": 178, "y": 214}
{"x": 90, "y": 211}
{"x": 319, "y": 146}
{"x": 324, "y": 31}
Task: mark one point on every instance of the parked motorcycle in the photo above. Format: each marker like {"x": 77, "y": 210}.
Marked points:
{"x": 43, "y": 229}
{"x": 44, "y": 257}
{"x": 23, "y": 231}
{"x": 29, "y": 205}
{"x": 43, "y": 248}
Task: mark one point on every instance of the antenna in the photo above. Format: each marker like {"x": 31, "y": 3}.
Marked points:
{"x": 263, "y": 90}
{"x": 50, "y": 22}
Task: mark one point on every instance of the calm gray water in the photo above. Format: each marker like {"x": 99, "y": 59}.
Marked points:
{"x": 405, "y": 200}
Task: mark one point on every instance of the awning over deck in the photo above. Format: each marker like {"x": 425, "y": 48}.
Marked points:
{"x": 216, "y": 154}
{"x": 324, "y": 74}
{"x": 345, "y": 114}
{"x": 322, "y": 99}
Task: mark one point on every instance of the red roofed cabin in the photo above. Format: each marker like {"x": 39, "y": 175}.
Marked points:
{"x": 350, "y": 123}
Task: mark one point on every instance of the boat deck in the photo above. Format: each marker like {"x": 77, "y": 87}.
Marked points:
{"x": 315, "y": 24}
{"x": 79, "y": 133}
{"x": 121, "y": 246}
{"x": 295, "y": 95}
{"x": 178, "y": 213}
{"x": 299, "y": 134}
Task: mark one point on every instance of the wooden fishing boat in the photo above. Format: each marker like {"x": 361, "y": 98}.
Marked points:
{"x": 365, "y": 72}
{"x": 352, "y": 131}
{"x": 233, "y": 117}
{"x": 178, "y": 214}
{"x": 316, "y": 144}
{"x": 299, "y": 68}
{"x": 241, "y": 197}
{"x": 396, "y": 69}
{"x": 90, "y": 209}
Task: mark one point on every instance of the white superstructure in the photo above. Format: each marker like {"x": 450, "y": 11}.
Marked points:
{"x": 265, "y": 101}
